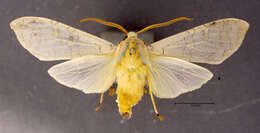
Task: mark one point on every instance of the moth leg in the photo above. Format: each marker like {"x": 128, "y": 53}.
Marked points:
{"x": 145, "y": 91}
{"x": 154, "y": 106}
{"x": 100, "y": 102}
{"x": 111, "y": 91}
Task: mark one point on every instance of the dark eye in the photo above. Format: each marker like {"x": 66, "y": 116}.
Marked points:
{"x": 125, "y": 37}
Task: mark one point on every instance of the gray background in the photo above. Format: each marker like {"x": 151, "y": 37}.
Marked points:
{"x": 32, "y": 102}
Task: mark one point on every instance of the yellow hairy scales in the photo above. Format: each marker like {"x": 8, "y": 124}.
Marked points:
{"x": 131, "y": 73}
{"x": 94, "y": 64}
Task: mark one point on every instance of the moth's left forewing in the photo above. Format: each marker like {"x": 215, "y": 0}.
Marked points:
{"x": 49, "y": 40}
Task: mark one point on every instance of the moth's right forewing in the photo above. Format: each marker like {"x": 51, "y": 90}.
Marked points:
{"x": 48, "y": 40}
{"x": 210, "y": 43}
{"x": 90, "y": 74}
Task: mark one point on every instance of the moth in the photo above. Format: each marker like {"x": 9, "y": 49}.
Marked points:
{"x": 93, "y": 64}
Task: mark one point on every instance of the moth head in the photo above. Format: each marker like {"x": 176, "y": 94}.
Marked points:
{"x": 131, "y": 34}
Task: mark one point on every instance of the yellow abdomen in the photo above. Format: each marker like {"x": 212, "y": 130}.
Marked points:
{"x": 131, "y": 79}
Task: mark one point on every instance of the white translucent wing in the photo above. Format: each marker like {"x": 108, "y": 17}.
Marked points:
{"x": 209, "y": 43}
{"x": 50, "y": 40}
{"x": 90, "y": 74}
{"x": 169, "y": 77}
